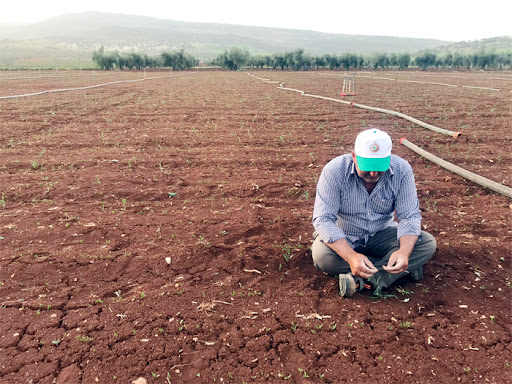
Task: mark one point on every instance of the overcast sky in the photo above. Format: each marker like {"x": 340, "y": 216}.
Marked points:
{"x": 451, "y": 20}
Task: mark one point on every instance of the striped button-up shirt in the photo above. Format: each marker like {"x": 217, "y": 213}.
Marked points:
{"x": 345, "y": 210}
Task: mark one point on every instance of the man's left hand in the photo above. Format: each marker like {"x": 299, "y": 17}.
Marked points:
{"x": 398, "y": 262}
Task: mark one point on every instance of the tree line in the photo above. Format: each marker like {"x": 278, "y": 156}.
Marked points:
{"x": 177, "y": 60}
{"x": 298, "y": 60}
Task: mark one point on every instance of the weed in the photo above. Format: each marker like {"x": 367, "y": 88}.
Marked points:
{"x": 203, "y": 242}
{"x": 406, "y": 324}
{"x": 84, "y": 338}
{"x": 493, "y": 318}
{"x": 304, "y": 196}
{"x": 303, "y": 373}
{"x": 287, "y": 252}
{"x": 36, "y": 165}
{"x": 2, "y": 201}
{"x": 404, "y": 292}
{"x": 294, "y": 327}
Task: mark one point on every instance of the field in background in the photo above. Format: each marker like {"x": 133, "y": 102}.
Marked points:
{"x": 161, "y": 229}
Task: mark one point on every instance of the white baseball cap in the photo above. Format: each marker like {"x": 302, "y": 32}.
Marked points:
{"x": 373, "y": 150}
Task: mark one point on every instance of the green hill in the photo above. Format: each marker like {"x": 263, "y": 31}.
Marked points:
{"x": 68, "y": 40}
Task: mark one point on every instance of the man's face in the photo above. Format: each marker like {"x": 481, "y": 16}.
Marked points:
{"x": 370, "y": 177}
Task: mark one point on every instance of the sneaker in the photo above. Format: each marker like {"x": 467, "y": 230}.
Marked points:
{"x": 417, "y": 274}
{"x": 350, "y": 284}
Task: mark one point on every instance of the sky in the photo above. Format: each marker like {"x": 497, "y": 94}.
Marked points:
{"x": 450, "y": 20}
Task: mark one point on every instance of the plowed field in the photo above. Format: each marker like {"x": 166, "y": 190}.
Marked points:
{"x": 161, "y": 230}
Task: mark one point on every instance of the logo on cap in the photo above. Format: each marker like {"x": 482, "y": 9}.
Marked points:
{"x": 374, "y": 147}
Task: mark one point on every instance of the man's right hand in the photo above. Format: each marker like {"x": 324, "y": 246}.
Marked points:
{"x": 361, "y": 266}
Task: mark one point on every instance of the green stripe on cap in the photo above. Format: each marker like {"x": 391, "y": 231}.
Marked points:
{"x": 367, "y": 164}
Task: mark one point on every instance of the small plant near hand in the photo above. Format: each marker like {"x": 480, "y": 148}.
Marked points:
{"x": 404, "y": 292}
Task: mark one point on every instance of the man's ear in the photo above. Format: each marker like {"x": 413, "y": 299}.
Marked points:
{"x": 353, "y": 156}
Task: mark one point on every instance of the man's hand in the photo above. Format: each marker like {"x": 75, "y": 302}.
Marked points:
{"x": 361, "y": 266}
{"x": 398, "y": 262}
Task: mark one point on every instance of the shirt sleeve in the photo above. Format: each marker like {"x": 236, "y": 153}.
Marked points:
{"x": 327, "y": 206}
{"x": 407, "y": 204}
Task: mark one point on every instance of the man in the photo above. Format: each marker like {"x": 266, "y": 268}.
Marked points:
{"x": 356, "y": 235}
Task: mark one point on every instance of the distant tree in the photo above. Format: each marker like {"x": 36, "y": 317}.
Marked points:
{"x": 447, "y": 60}
{"x": 426, "y": 59}
{"x": 393, "y": 60}
{"x": 178, "y": 60}
{"x": 256, "y": 61}
{"x": 344, "y": 61}
{"x": 301, "y": 61}
{"x": 278, "y": 61}
{"x": 380, "y": 60}
{"x": 288, "y": 59}
{"x": 233, "y": 59}
{"x": 332, "y": 61}
{"x": 106, "y": 60}
{"x": 403, "y": 61}
{"x": 319, "y": 62}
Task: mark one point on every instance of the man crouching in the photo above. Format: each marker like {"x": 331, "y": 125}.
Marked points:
{"x": 356, "y": 236}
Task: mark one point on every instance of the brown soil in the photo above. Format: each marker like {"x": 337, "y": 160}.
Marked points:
{"x": 217, "y": 172}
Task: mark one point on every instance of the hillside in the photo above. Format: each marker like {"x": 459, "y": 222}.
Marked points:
{"x": 495, "y": 44}
{"x": 72, "y": 37}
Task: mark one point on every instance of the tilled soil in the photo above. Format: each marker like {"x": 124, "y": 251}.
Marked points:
{"x": 161, "y": 229}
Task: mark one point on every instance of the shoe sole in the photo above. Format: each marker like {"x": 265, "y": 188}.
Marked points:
{"x": 417, "y": 274}
{"x": 347, "y": 285}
